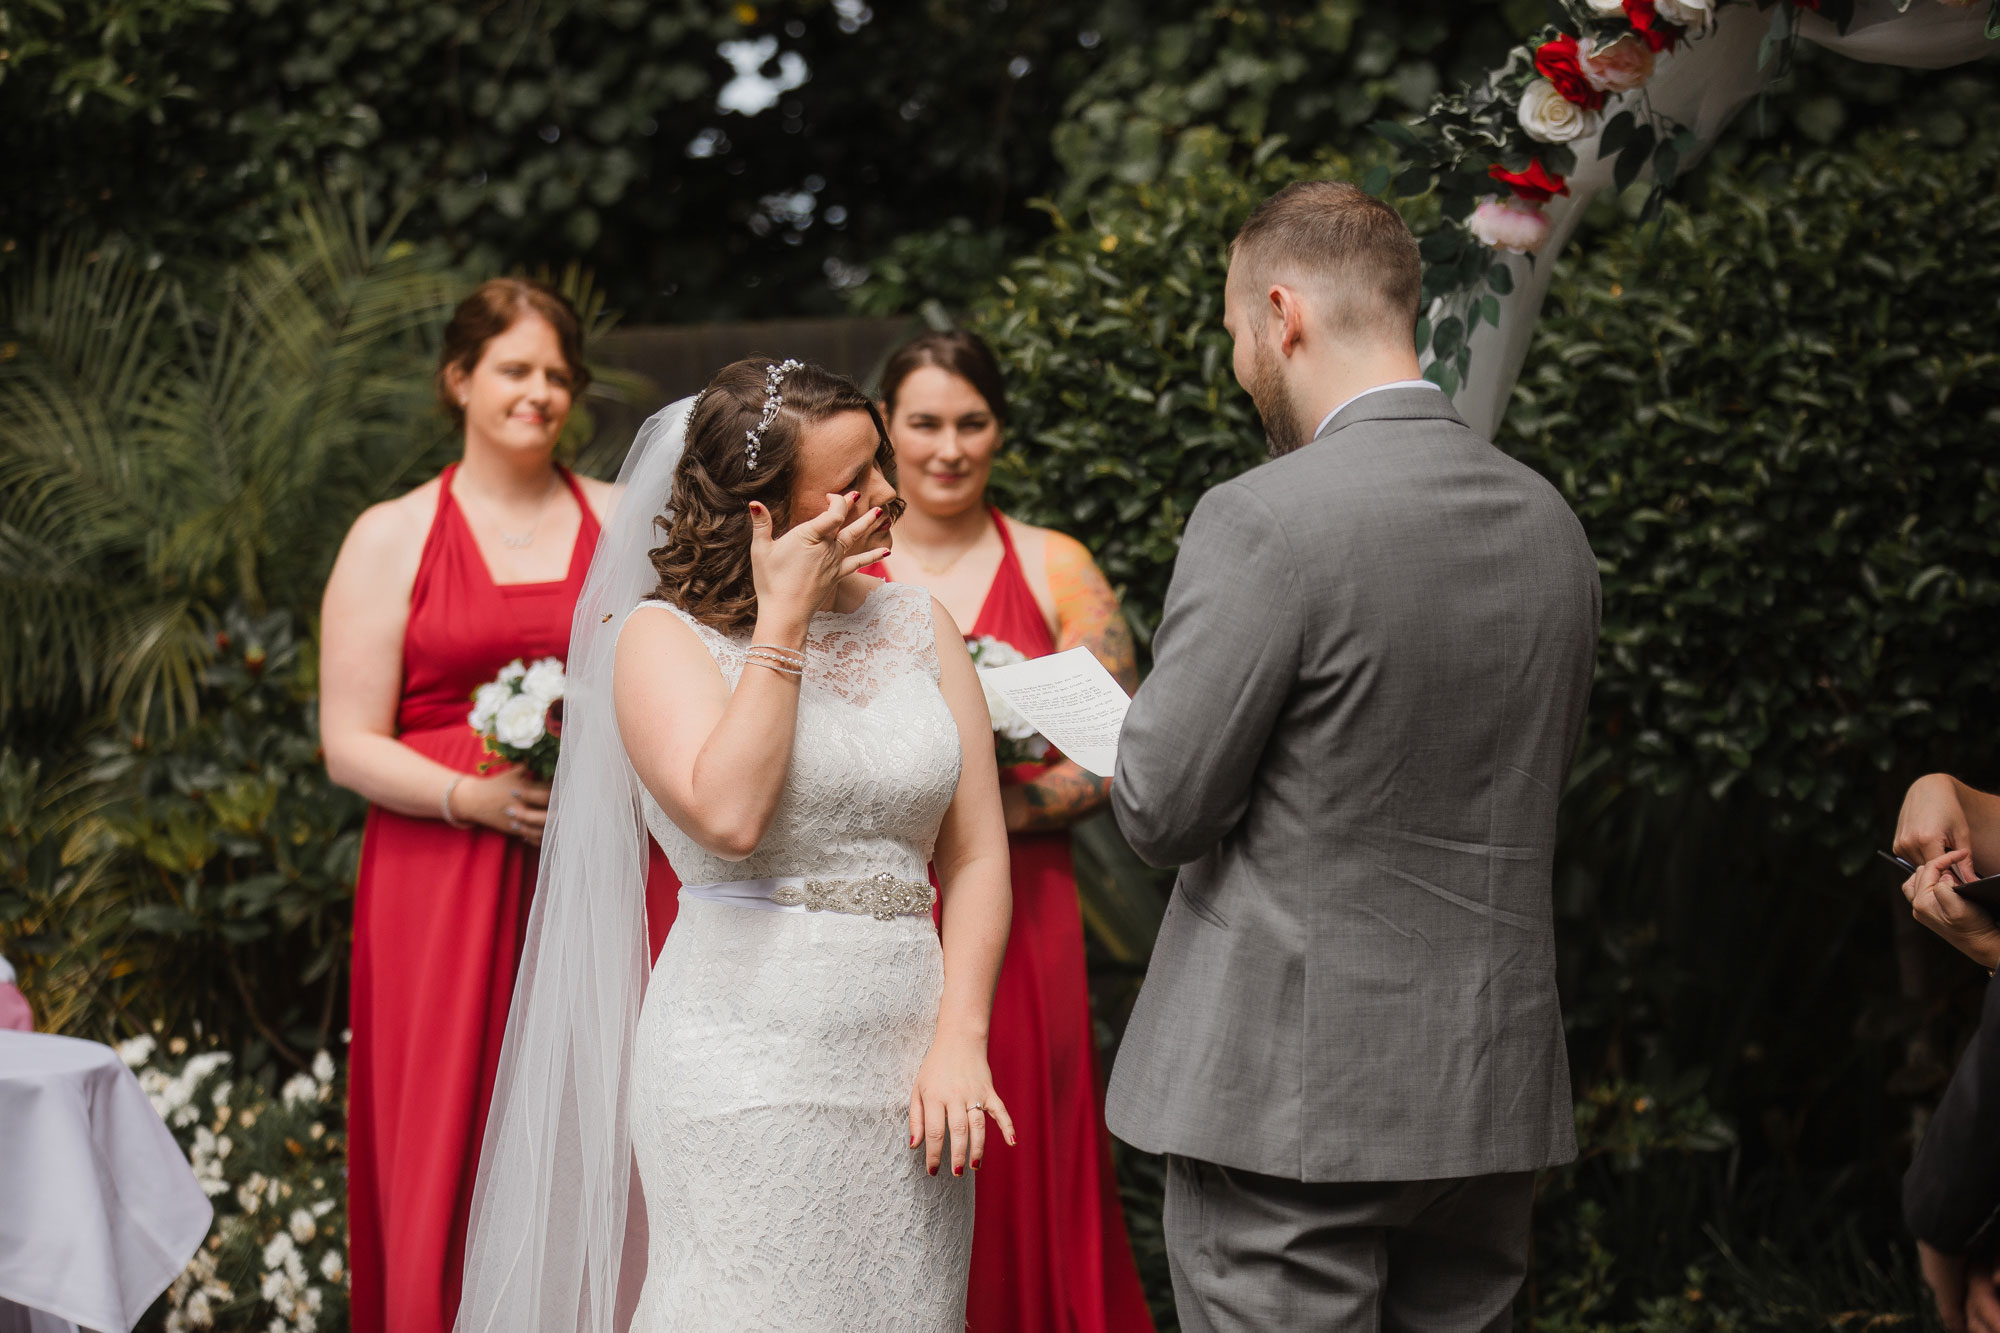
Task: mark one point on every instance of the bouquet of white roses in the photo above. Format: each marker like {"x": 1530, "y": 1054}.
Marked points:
{"x": 519, "y": 714}
{"x": 1015, "y": 740}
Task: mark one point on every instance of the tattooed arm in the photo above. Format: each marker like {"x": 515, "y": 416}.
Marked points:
{"x": 1086, "y": 613}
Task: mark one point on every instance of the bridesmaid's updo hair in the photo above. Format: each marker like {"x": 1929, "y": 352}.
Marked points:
{"x": 489, "y": 312}
{"x": 964, "y": 354}
{"x": 704, "y": 561}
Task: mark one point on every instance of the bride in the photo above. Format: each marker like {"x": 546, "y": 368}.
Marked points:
{"x": 805, "y": 1082}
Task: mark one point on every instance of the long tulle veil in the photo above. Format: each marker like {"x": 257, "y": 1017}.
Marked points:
{"x": 546, "y": 1243}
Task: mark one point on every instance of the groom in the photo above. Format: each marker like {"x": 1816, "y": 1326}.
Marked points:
{"x": 1367, "y": 686}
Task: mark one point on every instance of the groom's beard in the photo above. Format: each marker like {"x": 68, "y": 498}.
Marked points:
{"x": 1273, "y": 401}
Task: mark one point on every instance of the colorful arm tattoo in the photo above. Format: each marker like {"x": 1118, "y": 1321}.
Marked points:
{"x": 1086, "y": 613}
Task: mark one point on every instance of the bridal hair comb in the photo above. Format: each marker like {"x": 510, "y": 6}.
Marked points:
{"x": 774, "y": 382}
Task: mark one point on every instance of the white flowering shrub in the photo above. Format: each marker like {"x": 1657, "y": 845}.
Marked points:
{"x": 275, "y": 1169}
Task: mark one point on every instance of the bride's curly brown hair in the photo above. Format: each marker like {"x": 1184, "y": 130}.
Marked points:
{"x": 704, "y": 561}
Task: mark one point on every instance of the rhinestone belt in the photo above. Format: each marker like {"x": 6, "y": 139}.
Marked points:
{"x": 884, "y": 896}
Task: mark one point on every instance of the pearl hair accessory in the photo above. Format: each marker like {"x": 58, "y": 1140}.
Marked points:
{"x": 774, "y": 381}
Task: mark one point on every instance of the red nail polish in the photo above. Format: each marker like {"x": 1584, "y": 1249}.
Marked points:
{"x": 958, "y": 1171}
{"x": 975, "y": 1163}
{"x": 933, "y": 1170}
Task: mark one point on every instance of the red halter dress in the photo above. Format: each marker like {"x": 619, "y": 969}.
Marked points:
{"x": 440, "y": 915}
{"x": 1049, "y": 1249}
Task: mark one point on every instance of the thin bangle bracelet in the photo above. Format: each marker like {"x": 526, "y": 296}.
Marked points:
{"x": 444, "y": 803}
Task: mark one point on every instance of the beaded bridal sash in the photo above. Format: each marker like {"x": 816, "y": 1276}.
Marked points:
{"x": 884, "y": 897}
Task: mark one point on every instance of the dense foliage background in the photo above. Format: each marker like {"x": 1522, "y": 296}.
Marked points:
{"x": 627, "y": 134}
{"x": 1782, "y": 457}
{"x": 1772, "y": 413}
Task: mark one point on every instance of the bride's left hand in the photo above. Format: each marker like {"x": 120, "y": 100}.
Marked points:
{"x": 954, "y": 1091}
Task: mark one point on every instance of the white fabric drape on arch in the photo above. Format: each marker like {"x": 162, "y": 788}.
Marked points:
{"x": 1702, "y": 86}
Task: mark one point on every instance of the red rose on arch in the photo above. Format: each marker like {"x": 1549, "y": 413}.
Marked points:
{"x": 1537, "y": 184}
{"x": 1655, "y": 31}
{"x": 1558, "y": 63}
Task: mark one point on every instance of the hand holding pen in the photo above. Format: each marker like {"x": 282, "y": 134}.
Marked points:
{"x": 1931, "y": 891}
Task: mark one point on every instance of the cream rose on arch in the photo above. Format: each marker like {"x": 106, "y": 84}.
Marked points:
{"x": 1618, "y": 66}
{"x": 1547, "y": 115}
{"x": 1687, "y": 13}
{"x": 1607, "y": 9}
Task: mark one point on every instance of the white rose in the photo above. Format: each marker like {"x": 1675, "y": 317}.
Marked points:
{"x": 1687, "y": 13}
{"x": 330, "y": 1266}
{"x": 277, "y": 1250}
{"x": 544, "y": 681}
{"x": 135, "y": 1051}
{"x": 990, "y": 652}
{"x": 299, "y": 1088}
{"x": 520, "y": 721}
{"x": 1005, "y": 720}
{"x": 199, "y": 1315}
{"x": 1609, "y": 9}
{"x": 487, "y": 701}
{"x": 323, "y": 1067}
{"x": 300, "y": 1224}
{"x": 1513, "y": 225}
{"x": 512, "y": 672}
{"x": 1549, "y": 116}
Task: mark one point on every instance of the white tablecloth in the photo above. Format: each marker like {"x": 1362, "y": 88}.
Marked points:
{"x": 98, "y": 1208}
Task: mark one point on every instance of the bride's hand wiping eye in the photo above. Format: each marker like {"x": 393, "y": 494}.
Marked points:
{"x": 953, "y": 1103}
{"x": 795, "y": 571}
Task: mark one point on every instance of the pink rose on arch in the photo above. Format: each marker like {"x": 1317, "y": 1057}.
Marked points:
{"x": 1512, "y": 224}
{"x": 1617, "y": 66}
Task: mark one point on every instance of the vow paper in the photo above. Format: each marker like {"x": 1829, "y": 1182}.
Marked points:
{"x": 1072, "y": 700}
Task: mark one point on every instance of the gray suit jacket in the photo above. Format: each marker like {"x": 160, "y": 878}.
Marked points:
{"x": 1367, "y": 688}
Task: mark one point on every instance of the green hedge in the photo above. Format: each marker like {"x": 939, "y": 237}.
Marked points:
{"x": 1773, "y": 416}
{"x": 1777, "y": 424}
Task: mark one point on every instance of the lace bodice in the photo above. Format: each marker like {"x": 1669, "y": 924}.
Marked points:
{"x": 875, "y": 760}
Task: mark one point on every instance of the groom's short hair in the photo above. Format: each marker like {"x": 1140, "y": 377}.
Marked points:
{"x": 1345, "y": 244}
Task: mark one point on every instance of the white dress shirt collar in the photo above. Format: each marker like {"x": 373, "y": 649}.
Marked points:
{"x": 1327, "y": 420}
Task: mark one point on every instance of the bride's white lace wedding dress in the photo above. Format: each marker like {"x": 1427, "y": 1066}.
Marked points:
{"x": 776, "y": 1050}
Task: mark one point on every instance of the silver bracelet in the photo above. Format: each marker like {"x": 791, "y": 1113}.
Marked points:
{"x": 782, "y": 670}
{"x": 444, "y": 803}
{"x": 789, "y": 656}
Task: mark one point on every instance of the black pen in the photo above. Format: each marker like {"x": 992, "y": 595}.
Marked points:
{"x": 1956, "y": 878}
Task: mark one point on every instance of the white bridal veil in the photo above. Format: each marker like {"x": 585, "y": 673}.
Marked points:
{"x": 546, "y": 1244}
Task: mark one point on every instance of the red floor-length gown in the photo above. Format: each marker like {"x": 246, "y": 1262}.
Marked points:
{"x": 1049, "y": 1249}
{"x": 440, "y": 915}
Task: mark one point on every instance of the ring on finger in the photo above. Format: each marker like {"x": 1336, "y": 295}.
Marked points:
{"x": 975, "y": 1106}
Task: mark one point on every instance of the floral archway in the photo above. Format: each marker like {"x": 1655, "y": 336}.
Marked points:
{"x": 1613, "y": 91}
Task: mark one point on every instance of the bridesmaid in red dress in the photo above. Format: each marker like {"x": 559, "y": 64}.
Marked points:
{"x": 1049, "y": 1249}
{"x": 431, "y": 595}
